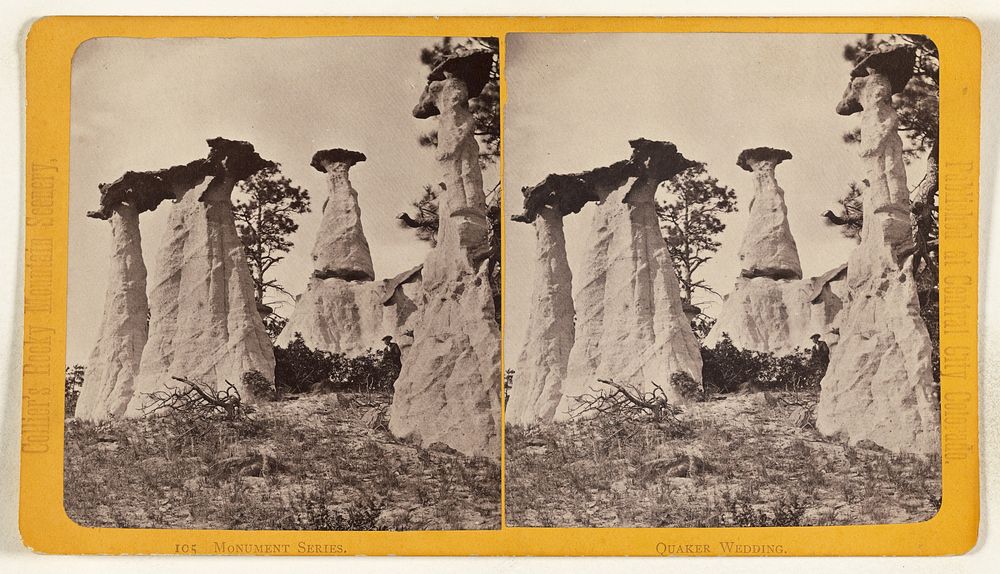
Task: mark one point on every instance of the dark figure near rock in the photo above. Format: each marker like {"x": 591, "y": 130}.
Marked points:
{"x": 392, "y": 357}
{"x": 820, "y": 353}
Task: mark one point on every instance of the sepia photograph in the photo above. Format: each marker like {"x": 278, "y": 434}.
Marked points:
{"x": 284, "y": 295}
{"x": 721, "y": 290}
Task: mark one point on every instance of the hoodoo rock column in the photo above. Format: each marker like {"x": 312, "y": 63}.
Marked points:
{"x": 449, "y": 388}
{"x": 879, "y": 384}
{"x": 768, "y": 248}
{"x": 341, "y": 248}
{"x": 771, "y": 308}
{"x": 343, "y": 310}
{"x": 114, "y": 362}
{"x": 544, "y": 358}
{"x": 630, "y": 324}
{"x": 204, "y": 323}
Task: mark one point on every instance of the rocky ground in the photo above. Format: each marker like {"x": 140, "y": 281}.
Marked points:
{"x": 308, "y": 462}
{"x": 737, "y": 460}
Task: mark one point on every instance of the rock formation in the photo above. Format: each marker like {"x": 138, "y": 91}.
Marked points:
{"x": 541, "y": 367}
{"x": 779, "y": 315}
{"x": 771, "y": 308}
{"x": 768, "y": 248}
{"x": 630, "y": 324}
{"x": 351, "y": 317}
{"x": 449, "y": 388}
{"x": 114, "y": 362}
{"x": 341, "y": 248}
{"x": 204, "y": 323}
{"x": 879, "y": 384}
{"x": 343, "y": 309}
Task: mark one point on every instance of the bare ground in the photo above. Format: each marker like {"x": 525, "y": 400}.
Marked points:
{"x": 306, "y": 464}
{"x": 744, "y": 460}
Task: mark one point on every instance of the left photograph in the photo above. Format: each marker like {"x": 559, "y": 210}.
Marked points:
{"x": 284, "y": 284}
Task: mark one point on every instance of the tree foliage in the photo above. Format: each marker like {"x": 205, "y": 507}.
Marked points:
{"x": 690, "y": 222}
{"x": 299, "y": 368}
{"x": 74, "y": 383}
{"x": 265, "y": 211}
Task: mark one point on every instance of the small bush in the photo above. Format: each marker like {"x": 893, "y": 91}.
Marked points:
{"x": 739, "y": 510}
{"x": 728, "y": 369}
{"x": 258, "y": 385}
{"x": 74, "y": 382}
{"x": 311, "y": 512}
{"x": 300, "y": 369}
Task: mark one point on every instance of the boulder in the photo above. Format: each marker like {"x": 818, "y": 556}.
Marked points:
{"x": 449, "y": 388}
{"x": 630, "y": 324}
{"x": 541, "y": 366}
{"x": 204, "y": 323}
{"x": 879, "y": 385}
{"x": 114, "y": 363}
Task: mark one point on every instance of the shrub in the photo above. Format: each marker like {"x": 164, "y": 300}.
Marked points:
{"x": 258, "y": 385}
{"x": 74, "y": 382}
{"x": 300, "y": 369}
{"x": 727, "y": 369}
{"x": 740, "y": 511}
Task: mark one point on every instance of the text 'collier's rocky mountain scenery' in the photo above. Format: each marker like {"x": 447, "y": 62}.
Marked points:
{"x": 640, "y": 396}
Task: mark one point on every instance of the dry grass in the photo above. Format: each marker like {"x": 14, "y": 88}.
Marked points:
{"x": 306, "y": 464}
{"x": 742, "y": 462}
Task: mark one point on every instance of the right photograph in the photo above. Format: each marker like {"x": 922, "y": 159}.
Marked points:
{"x": 721, "y": 280}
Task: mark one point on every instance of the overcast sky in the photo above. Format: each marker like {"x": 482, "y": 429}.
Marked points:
{"x": 574, "y": 101}
{"x": 142, "y": 104}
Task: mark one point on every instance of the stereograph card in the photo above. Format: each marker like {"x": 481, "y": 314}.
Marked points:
{"x": 501, "y": 286}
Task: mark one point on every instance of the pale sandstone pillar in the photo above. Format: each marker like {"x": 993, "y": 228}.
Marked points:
{"x": 630, "y": 324}
{"x": 541, "y": 367}
{"x": 204, "y": 323}
{"x": 449, "y": 388}
{"x": 110, "y": 377}
{"x": 341, "y": 249}
{"x": 879, "y": 384}
{"x": 768, "y": 248}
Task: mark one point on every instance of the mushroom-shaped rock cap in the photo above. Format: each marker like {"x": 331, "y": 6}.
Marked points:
{"x": 236, "y": 159}
{"x": 144, "y": 190}
{"x": 658, "y": 160}
{"x": 568, "y": 193}
{"x": 895, "y": 63}
{"x": 473, "y": 68}
{"x": 335, "y": 155}
{"x": 757, "y": 154}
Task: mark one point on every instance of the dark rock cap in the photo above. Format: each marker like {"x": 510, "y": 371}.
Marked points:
{"x": 761, "y": 154}
{"x": 569, "y": 193}
{"x": 654, "y": 160}
{"x": 336, "y": 155}
{"x": 658, "y": 160}
{"x": 236, "y": 159}
{"x": 145, "y": 190}
{"x": 473, "y": 68}
{"x": 895, "y": 63}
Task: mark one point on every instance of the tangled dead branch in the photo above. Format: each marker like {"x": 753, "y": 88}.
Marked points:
{"x": 198, "y": 400}
{"x": 632, "y": 404}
